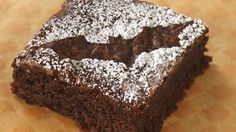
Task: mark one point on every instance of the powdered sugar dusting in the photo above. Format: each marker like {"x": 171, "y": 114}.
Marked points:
{"x": 155, "y": 67}
{"x": 191, "y": 32}
{"x": 99, "y": 19}
{"x": 49, "y": 59}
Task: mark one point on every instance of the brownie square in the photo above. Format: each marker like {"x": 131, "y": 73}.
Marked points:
{"x": 112, "y": 65}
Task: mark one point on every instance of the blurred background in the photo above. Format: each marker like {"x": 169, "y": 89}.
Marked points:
{"x": 208, "y": 107}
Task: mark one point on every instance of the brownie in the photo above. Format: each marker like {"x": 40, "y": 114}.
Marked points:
{"x": 112, "y": 65}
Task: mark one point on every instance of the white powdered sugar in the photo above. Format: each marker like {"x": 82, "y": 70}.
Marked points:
{"x": 155, "y": 67}
{"x": 49, "y": 59}
{"x": 191, "y": 32}
{"x": 97, "y": 20}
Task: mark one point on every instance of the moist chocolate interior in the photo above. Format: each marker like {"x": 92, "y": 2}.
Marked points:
{"x": 119, "y": 49}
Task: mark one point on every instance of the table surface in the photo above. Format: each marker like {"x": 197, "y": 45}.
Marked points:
{"x": 208, "y": 107}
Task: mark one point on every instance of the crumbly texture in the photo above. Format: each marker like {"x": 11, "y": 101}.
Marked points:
{"x": 126, "y": 56}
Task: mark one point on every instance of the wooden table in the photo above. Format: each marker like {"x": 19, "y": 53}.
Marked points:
{"x": 210, "y": 105}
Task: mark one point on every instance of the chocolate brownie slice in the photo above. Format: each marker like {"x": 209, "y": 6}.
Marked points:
{"x": 112, "y": 65}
